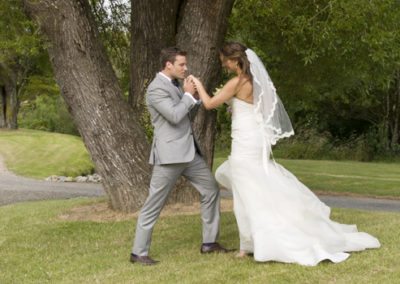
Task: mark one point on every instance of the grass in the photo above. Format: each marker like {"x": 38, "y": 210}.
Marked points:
{"x": 374, "y": 179}
{"x": 37, "y": 247}
{"x": 39, "y": 154}
{"x": 341, "y": 177}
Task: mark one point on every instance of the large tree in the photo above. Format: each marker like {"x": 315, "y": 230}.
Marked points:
{"x": 199, "y": 28}
{"x": 110, "y": 129}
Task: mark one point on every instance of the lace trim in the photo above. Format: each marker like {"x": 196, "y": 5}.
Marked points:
{"x": 266, "y": 122}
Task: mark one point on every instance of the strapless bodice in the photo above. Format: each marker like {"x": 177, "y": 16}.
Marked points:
{"x": 246, "y": 132}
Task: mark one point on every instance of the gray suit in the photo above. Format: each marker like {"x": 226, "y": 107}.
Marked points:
{"x": 173, "y": 153}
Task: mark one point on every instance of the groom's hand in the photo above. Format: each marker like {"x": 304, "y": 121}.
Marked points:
{"x": 188, "y": 86}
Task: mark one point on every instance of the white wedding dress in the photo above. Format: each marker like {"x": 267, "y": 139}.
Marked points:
{"x": 279, "y": 218}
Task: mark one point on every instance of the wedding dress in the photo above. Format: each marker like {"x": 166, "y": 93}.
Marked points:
{"x": 278, "y": 217}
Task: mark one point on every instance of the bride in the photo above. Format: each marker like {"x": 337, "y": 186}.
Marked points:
{"x": 278, "y": 217}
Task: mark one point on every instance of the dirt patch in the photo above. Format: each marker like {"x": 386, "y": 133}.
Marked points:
{"x": 101, "y": 212}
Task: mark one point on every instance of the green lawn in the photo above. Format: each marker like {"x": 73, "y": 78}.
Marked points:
{"x": 374, "y": 179}
{"x": 39, "y": 154}
{"x": 37, "y": 247}
{"x": 342, "y": 177}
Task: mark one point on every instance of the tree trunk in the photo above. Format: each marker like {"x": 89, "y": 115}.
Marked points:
{"x": 396, "y": 113}
{"x": 13, "y": 107}
{"x": 153, "y": 27}
{"x": 109, "y": 128}
{"x": 201, "y": 33}
{"x": 387, "y": 121}
{"x": 198, "y": 27}
{"x": 3, "y": 106}
{"x": 9, "y": 106}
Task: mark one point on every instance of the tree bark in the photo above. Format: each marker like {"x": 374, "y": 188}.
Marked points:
{"x": 9, "y": 104}
{"x": 13, "y": 106}
{"x": 153, "y": 27}
{"x": 199, "y": 28}
{"x": 3, "y": 106}
{"x": 109, "y": 128}
{"x": 201, "y": 33}
{"x": 396, "y": 113}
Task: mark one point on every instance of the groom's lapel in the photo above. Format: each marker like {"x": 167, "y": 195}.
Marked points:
{"x": 177, "y": 90}
{"x": 170, "y": 87}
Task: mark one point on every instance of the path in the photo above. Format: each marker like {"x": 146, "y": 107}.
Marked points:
{"x": 15, "y": 189}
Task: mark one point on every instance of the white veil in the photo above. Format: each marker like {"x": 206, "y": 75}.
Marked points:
{"x": 271, "y": 114}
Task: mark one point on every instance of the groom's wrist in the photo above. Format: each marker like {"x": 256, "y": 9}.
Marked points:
{"x": 191, "y": 96}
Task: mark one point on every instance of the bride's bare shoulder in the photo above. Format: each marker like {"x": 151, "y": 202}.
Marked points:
{"x": 233, "y": 81}
{"x": 230, "y": 86}
{"x": 237, "y": 86}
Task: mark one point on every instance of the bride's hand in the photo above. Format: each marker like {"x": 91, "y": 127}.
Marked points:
{"x": 195, "y": 81}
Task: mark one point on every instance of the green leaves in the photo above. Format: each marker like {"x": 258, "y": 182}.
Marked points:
{"x": 18, "y": 35}
{"x": 331, "y": 59}
{"x": 113, "y": 21}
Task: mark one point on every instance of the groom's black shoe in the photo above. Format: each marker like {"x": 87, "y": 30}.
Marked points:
{"x": 213, "y": 247}
{"x": 145, "y": 260}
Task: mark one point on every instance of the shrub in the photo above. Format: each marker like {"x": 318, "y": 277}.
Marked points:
{"x": 48, "y": 113}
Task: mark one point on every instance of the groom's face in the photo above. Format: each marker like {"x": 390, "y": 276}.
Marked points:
{"x": 178, "y": 69}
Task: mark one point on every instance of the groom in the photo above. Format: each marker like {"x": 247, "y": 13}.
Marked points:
{"x": 174, "y": 153}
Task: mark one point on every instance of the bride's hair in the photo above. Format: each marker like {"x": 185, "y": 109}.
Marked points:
{"x": 236, "y": 51}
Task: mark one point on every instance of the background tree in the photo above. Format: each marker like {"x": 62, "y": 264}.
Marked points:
{"x": 20, "y": 50}
{"x": 335, "y": 62}
{"x": 113, "y": 20}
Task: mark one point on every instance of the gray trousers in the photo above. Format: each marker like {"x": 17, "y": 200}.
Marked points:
{"x": 162, "y": 182}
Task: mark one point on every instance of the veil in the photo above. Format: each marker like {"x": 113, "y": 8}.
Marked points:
{"x": 270, "y": 112}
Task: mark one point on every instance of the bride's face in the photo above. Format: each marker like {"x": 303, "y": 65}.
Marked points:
{"x": 229, "y": 64}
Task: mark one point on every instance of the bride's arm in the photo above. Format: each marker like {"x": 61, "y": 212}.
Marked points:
{"x": 226, "y": 93}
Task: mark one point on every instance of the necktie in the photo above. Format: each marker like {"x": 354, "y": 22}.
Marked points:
{"x": 175, "y": 82}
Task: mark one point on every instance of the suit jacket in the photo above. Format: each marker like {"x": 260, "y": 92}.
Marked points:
{"x": 173, "y": 140}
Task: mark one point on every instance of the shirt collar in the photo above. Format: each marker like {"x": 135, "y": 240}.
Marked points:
{"x": 165, "y": 76}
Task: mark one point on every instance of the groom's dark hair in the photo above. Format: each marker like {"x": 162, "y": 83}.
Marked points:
{"x": 169, "y": 55}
